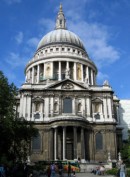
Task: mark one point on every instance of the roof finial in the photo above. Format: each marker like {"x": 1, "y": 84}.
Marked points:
{"x": 60, "y": 21}
{"x": 60, "y": 7}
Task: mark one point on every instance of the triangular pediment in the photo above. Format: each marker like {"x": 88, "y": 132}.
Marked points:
{"x": 37, "y": 99}
{"x": 67, "y": 84}
{"x": 97, "y": 100}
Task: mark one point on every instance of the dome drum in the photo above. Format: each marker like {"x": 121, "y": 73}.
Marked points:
{"x": 59, "y": 69}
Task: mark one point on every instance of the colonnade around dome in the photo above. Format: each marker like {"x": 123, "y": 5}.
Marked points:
{"x": 60, "y": 70}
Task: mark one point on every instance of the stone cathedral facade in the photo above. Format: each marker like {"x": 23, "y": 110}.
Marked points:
{"x": 76, "y": 118}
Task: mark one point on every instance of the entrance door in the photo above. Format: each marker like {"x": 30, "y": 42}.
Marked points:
{"x": 69, "y": 151}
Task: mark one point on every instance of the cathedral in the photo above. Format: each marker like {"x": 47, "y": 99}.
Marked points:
{"x": 76, "y": 118}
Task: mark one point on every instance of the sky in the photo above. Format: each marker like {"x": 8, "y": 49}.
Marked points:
{"x": 102, "y": 25}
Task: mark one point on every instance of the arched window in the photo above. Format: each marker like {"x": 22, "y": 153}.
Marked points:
{"x": 67, "y": 105}
{"x": 99, "y": 141}
{"x": 36, "y": 143}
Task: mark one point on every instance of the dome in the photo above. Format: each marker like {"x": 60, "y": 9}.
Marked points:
{"x": 61, "y": 36}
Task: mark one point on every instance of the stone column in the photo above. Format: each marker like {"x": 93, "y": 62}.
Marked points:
{"x": 109, "y": 108}
{"x": 87, "y": 72}
{"x": 21, "y": 105}
{"x": 75, "y": 72}
{"x": 74, "y": 106}
{"x": 24, "y": 105}
{"x": 84, "y": 106}
{"x": 43, "y": 109}
{"x": 82, "y": 144}
{"x": 52, "y": 70}
{"x": 117, "y": 112}
{"x": 75, "y": 142}
{"x": 47, "y": 108}
{"x": 67, "y": 65}
{"x": 52, "y": 106}
{"x": 33, "y": 109}
{"x": 55, "y": 143}
{"x": 91, "y": 76}
{"x": 29, "y": 75}
{"x": 104, "y": 107}
{"x": 29, "y": 107}
{"x": 64, "y": 143}
{"x": 82, "y": 78}
{"x": 88, "y": 107}
{"x": 32, "y": 75}
{"x": 59, "y": 77}
{"x": 94, "y": 77}
{"x": 38, "y": 73}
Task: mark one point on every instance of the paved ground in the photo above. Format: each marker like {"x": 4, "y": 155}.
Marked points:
{"x": 87, "y": 174}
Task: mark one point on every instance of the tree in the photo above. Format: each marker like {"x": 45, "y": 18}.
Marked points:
{"x": 15, "y": 134}
{"x": 125, "y": 152}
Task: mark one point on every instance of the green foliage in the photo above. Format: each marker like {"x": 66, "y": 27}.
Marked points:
{"x": 112, "y": 171}
{"x": 15, "y": 135}
{"x": 128, "y": 172}
{"x": 125, "y": 152}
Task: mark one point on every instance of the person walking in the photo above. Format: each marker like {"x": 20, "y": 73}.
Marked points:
{"x": 49, "y": 171}
{"x": 53, "y": 170}
{"x": 69, "y": 169}
{"x": 122, "y": 169}
{"x": 60, "y": 169}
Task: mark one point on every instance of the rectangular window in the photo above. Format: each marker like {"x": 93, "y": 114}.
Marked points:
{"x": 67, "y": 105}
{"x": 99, "y": 141}
{"x": 36, "y": 143}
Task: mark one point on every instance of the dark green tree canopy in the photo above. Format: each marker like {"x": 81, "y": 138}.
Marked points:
{"x": 15, "y": 135}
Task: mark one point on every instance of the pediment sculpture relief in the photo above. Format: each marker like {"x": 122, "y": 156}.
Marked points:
{"x": 67, "y": 86}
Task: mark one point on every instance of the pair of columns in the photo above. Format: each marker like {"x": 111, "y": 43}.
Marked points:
{"x": 82, "y": 142}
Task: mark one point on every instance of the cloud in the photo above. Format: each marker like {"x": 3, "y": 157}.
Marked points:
{"x": 19, "y": 37}
{"x": 33, "y": 42}
{"x": 46, "y": 24}
{"x": 96, "y": 39}
{"x": 15, "y": 60}
{"x": 9, "y": 2}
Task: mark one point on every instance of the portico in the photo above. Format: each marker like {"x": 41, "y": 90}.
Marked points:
{"x": 69, "y": 143}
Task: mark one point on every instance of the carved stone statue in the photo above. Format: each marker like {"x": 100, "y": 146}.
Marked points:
{"x": 109, "y": 156}
{"x": 119, "y": 156}
{"x": 106, "y": 83}
{"x": 67, "y": 73}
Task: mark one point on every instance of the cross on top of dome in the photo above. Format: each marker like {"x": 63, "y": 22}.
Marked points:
{"x": 60, "y": 21}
